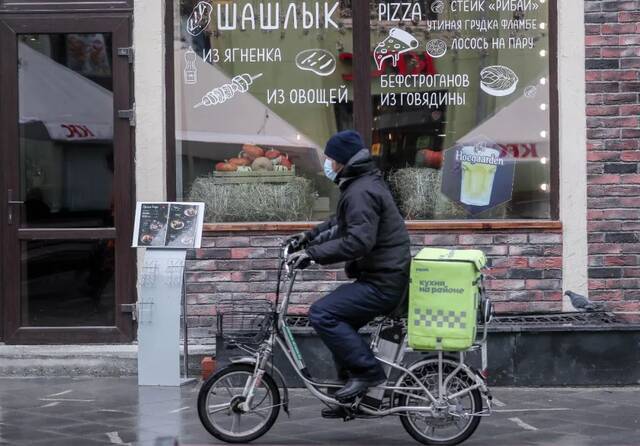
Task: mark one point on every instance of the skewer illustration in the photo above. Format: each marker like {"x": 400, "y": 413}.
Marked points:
{"x": 221, "y": 94}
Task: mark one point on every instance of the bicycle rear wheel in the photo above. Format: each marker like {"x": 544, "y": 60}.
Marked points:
{"x": 220, "y": 399}
{"x": 453, "y": 424}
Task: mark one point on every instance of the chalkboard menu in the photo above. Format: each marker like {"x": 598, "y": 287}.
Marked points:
{"x": 168, "y": 225}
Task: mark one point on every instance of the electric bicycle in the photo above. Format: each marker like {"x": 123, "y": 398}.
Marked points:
{"x": 439, "y": 399}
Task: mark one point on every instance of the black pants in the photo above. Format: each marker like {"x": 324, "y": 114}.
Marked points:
{"x": 337, "y": 318}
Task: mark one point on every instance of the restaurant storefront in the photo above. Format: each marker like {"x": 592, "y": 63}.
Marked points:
{"x": 474, "y": 111}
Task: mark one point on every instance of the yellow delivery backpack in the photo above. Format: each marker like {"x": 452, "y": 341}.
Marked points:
{"x": 444, "y": 294}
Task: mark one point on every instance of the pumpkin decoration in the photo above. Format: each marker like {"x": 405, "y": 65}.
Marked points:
{"x": 272, "y": 154}
{"x": 251, "y": 151}
{"x": 226, "y": 167}
{"x": 239, "y": 161}
{"x": 262, "y": 163}
{"x": 285, "y": 161}
{"x": 429, "y": 158}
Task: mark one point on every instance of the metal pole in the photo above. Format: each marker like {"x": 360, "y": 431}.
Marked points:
{"x": 185, "y": 340}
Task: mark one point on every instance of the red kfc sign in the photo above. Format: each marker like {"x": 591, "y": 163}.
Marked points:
{"x": 77, "y": 131}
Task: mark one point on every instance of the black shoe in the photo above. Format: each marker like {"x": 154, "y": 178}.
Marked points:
{"x": 333, "y": 412}
{"x": 358, "y": 386}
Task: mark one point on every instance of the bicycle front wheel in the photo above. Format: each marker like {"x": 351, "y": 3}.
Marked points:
{"x": 221, "y": 409}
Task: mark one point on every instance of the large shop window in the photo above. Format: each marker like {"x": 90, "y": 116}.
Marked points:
{"x": 459, "y": 115}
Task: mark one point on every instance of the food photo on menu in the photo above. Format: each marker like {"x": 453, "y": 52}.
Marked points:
{"x": 153, "y": 224}
{"x": 181, "y": 230}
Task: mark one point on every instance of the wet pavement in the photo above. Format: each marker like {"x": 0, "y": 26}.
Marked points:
{"x": 99, "y": 411}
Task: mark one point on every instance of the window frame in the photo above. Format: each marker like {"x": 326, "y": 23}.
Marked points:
{"x": 363, "y": 123}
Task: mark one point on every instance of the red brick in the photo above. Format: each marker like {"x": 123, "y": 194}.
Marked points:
{"x": 597, "y": 295}
{"x": 546, "y": 262}
{"x": 601, "y": 40}
{"x": 604, "y": 110}
{"x": 623, "y": 284}
{"x": 545, "y": 238}
{"x": 527, "y": 295}
{"x": 629, "y": 17}
{"x": 620, "y": 122}
{"x": 597, "y": 284}
{"x": 593, "y": 29}
{"x": 593, "y": 75}
{"x": 618, "y": 28}
{"x": 543, "y": 284}
{"x": 245, "y": 253}
{"x": 630, "y": 62}
{"x": 552, "y": 296}
{"x": 440, "y": 239}
{"x": 231, "y": 242}
{"x": 622, "y": 144}
{"x": 605, "y": 248}
{"x": 630, "y": 179}
{"x": 505, "y": 284}
{"x": 594, "y": 98}
{"x": 475, "y": 239}
{"x": 621, "y": 260}
{"x": 248, "y": 276}
{"x": 620, "y": 98}
{"x": 603, "y": 133}
{"x": 630, "y": 110}
{"x": 593, "y": 52}
{"x": 619, "y": 75}
{"x": 629, "y": 40}
{"x": 605, "y": 155}
{"x": 631, "y": 133}
{"x": 604, "y": 179}
{"x": 512, "y": 262}
{"x": 604, "y": 225}
{"x": 510, "y": 307}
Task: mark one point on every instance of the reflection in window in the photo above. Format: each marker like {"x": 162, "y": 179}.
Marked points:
{"x": 66, "y": 130}
{"x": 260, "y": 87}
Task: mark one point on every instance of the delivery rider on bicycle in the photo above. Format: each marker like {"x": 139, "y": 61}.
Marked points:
{"x": 369, "y": 234}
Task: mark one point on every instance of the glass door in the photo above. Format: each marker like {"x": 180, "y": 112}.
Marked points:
{"x": 67, "y": 169}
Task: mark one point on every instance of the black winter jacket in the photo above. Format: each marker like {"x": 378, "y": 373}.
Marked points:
{"x": 367, "y": 231}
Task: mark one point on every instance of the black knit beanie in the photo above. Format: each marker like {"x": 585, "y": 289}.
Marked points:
{"x": 343, "y": 145}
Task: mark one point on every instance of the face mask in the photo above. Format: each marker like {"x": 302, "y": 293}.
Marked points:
{"x": 328, "y": 170}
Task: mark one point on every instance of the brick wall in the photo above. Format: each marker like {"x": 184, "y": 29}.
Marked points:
{"x": 613, "y": 135}
{"x": 526, "y": 270}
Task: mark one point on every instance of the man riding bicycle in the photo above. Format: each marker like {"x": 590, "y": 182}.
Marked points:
{"x": 369, "y": 234}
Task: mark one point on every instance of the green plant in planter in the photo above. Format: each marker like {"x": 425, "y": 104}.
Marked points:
{"x": 254, "y": 201}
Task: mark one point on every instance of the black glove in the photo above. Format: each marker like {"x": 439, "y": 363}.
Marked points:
{"x": 299, "y": 260}
{"x": 300, "y": 240}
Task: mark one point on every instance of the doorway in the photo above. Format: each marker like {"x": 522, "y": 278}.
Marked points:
{"x": 67, "y": 170}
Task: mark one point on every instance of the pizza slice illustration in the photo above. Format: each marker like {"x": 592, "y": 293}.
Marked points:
{"x": 396, "y": 43}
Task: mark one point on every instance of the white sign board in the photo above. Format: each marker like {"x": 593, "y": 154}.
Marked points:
{"x": 167, "y": 230}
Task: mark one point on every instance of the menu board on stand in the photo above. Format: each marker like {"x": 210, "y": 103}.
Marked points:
{"x": 166, "y": 230}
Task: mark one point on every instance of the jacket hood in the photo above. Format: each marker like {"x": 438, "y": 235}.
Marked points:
{"x": 360, "y": 164}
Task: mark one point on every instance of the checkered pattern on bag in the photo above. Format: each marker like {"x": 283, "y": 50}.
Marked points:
{"x": 440, "y": 319}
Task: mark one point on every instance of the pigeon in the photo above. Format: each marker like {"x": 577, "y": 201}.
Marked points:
{"x": 581, "y": 303}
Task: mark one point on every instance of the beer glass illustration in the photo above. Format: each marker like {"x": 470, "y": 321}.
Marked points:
{"x": 479, "y": 165}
